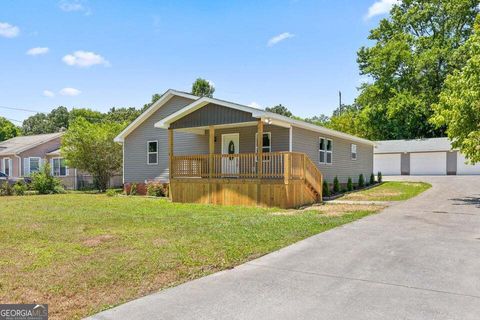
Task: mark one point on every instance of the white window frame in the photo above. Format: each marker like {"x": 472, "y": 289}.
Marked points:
{"x": 52, "y": 167}
{"x": 30, "y": 164}
{"x": 10, "y": 166}
{"x": 149, "y": 153}
{"x": 326, "y": 152}
{"x": 353, "y": 151}
{"x": 269, "y": 134}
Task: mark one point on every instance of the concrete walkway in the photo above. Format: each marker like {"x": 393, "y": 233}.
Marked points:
{"x": 416, "y": 260}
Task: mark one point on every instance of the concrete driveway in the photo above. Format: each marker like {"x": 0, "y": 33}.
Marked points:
{"x": 419, "y": 259}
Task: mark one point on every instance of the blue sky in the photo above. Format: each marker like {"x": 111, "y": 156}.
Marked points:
{"x": 100, "y": 54}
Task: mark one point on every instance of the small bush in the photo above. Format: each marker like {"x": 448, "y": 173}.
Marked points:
{"x": 156, "y": 189}
{"x": 379, "y": 177}
{"x": 326, "y": 189}
{"x": 6, "y": 189}
{"x": 349, "y": 184}
{"x": 59, "y": 190}
{"x": 361, "y": 181}
{"x": 344, "y": 190}
{"x": 19, "y": 188}
{"x": 336, "y": 185}
{"x": 45, "y": 183}
{"x": 372, "y": 178}
{"x": 133, "y": 189}
{"x": 111, "y": 192}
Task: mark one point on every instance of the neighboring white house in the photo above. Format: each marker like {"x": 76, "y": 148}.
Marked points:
{"x": 433, "y": 156}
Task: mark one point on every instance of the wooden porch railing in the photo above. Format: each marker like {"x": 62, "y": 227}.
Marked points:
{"x": 275, "y": 165}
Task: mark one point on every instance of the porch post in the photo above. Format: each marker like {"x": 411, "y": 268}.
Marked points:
{"x": 260, "y": 148}
{"x": 170, "y": 152}
{"x": 211, "y": 131}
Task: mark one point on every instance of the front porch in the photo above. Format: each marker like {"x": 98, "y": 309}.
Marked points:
{"x": 227, "y": 176}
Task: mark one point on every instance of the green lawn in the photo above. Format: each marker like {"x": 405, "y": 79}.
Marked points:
{"x": 389, "y": 191}
{"x": 84, "y": 253}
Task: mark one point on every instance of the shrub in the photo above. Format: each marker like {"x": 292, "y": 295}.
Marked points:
{"x": 156, "y": 189}
{"x": 336, "y": 185}
{"x": 379, "y": 177}
{"x": 326, "y": 189}
{"x": 111, "y": 192}
{"x": 133, "y": 189}
{"x": 19, "y": 188}
{"x": 372, "y": 178}
{"x": 44, "y": 182}
{"x": 361, "y": 181}
{"x": 349, "y": 184}
{"x": 6, "y": 189}
{"x": 59, "y": 190}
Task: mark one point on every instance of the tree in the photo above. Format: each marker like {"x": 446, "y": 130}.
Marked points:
{"x": 41, "y": 123}
{"x": 280, "y": 109}
{"x": 122, "y": 114}
{"x": 459, "y": 105}
{"x": 413, "y": 52}
{"x": 155, "y": 97}
{"x": 8, "y": 130}
{"x": 90, "y": 115}
{"x": 321, "y": 120}
{"x": 202, "y": 88}
{"x": 90, "y": 147}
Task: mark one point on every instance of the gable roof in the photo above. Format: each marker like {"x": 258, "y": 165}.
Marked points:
{"x": 415, "y": 145}
{"x": 22, "y": 143}
{"x": 275, "y": 118}
{"x": 170, "y": 93}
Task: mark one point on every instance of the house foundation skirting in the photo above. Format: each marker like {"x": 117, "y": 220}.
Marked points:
{"x": 242, "y": 192}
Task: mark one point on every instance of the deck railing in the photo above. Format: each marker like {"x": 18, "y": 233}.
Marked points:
{"x": 275, "y": 165}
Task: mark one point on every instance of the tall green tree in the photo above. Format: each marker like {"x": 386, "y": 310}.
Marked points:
{"x": 90, "y": 147}
{"x": 8, "y": 130}
{"x": 202, "y": 88}
{"x": 122, "y": 114}
{"x": 459, "y": 105}
{"x": 155, "y": 98}
{"x": 413, "y": 52}
{"x": 280, "y": 109}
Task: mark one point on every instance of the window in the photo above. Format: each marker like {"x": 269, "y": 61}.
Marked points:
{"x": 7, "y": 166}
{"x": 354, "y": 151}
{"x": 325, "y": 151}
{"x": 152, "y": 152}
{"x": 34, "y": 164}
{"x": 267, "y": 142}
{"x": 59, "y": 169}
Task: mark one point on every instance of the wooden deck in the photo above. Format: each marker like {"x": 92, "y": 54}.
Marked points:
{"x": 282, "y": 179}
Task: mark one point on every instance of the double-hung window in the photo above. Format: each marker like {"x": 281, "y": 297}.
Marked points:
{"x": 59, "y": 169}
{"x": 152, "y": 152}
{"x": 267, "y": 142}
{"x": 354, "y": 151}
{"x": 34, "y": 164}
{"x": 7, "y": 166}
{"x": 325, "y": 151}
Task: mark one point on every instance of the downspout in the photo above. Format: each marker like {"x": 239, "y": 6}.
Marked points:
{"x": 19, "y": 165}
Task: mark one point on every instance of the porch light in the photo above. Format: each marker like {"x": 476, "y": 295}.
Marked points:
{"x": 267, "y": 121}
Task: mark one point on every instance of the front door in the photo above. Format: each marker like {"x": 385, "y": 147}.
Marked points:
{"x": 230, "y": 145}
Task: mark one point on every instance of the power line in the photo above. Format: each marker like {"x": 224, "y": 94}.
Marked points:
{"x": 19, "y": 109}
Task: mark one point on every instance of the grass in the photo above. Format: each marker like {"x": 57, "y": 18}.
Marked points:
{"x": 389, "y": 191}
{"x": 83, "y": 253}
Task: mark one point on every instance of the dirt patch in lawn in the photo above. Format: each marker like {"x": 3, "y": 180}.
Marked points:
{"x": 98, "y": 240}
{"x": 333, "y": 209}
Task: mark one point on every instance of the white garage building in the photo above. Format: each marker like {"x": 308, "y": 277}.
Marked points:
{"x": 420, "y": 157}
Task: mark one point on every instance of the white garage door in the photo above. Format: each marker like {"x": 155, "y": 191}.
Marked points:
{"x": 463, "y": 168}
{"x": 387, "y": 164}
{"x": 428, "y": 163}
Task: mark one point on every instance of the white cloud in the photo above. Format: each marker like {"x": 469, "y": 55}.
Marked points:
{"x": 70, "y": 92}
{"x": 37, "y": 51}
{"x": 48, "y": 93}
{"x": 380, "y": 7}
{"x": 74, "y": 5}
{"x": 253, "y": 104}
{"x": 8, "y": 31}
{"x": 84, "y": 59}
{"x": 282, "y": 36}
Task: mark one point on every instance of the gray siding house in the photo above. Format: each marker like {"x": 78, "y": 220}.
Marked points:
{"x": 211, "y": 138}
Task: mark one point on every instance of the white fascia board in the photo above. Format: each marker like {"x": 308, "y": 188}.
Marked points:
{"x": 147, "y": 113}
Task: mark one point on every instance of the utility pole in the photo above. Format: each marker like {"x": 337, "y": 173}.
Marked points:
{"x": 340, "y": 98}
